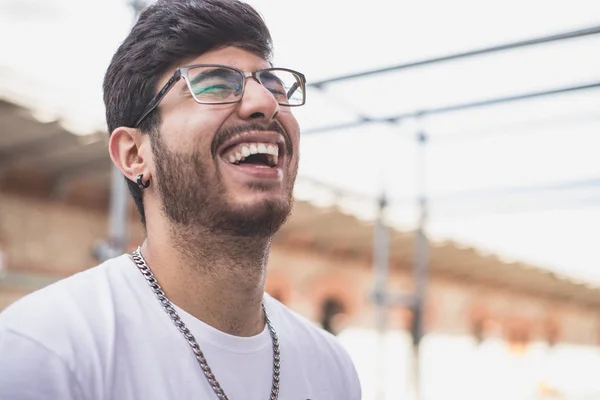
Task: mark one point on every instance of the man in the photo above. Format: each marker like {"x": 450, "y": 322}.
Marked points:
{"x": 202, "y": 128}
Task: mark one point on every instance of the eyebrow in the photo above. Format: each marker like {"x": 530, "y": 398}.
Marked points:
{"x": 213, "y": 73}
{"x": 268, "y": 75}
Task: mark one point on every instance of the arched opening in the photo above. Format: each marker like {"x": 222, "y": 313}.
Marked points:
{"x": 478, "y": 329}
{"x": 518, "y": 335}
{"x": 551, "y": 331}
{"x": 479, "y": 322}
{"x": 332, "y": 314}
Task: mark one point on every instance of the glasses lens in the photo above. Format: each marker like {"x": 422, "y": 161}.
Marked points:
{"x": 286, "y": 86}
{"x": 215, "y": 84}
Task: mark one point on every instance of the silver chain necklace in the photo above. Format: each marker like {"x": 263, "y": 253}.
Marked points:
{"x": 170, "y": 310}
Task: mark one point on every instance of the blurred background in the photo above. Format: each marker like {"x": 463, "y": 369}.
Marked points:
{"x": 447, "y": 220}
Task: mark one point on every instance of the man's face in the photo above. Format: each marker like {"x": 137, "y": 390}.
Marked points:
{"x": 196, "y": 152}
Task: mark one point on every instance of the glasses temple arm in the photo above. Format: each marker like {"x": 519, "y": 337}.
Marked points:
{"x": 295, "y": 86}
{"x": 159, "y": 96}
{"x": 292, "y": 90}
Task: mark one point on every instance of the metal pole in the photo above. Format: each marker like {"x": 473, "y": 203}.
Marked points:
{"x": 118, "y": 212}
{"x": 381, "y": 263}
{"x": 138, "y": 6}
{"x": 594, "y": 30}
{"x": 453, "y": 108}
{"x": 421, "y": 264}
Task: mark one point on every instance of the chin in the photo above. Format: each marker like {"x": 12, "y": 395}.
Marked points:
{"x": 257, "y": 204}
{"x": 257, "y": 215}
{"x": 257, "y": 200}
{"x": 258, "y": 192}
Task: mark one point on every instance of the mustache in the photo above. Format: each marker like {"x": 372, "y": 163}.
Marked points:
{"x": 226, "y": 134}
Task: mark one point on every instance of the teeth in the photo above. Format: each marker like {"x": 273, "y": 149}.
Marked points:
{"x": 272, "y": 150}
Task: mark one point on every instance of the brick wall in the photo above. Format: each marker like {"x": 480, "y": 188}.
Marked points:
{"x": 50, "y": 236}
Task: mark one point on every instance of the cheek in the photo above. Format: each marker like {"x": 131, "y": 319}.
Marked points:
{"x": 291, "y": 126}
{"x": 190, "y": 134}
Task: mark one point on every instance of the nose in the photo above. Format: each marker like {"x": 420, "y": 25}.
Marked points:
{"x": 257, "y": 102}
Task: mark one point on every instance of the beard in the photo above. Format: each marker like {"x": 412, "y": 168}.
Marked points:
{"x": 193, "y": 199}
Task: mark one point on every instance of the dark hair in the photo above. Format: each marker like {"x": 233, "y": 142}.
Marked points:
{"x": 166, "y": 33}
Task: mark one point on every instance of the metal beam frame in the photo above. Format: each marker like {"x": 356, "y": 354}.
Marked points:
{"x": 454, "y": 107}
{"x": 594, "y": 30}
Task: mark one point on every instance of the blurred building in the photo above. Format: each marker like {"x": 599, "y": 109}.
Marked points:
{"x": 54, "y": 195}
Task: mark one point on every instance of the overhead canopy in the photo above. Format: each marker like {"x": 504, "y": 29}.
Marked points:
{"x": 30, "y": 149}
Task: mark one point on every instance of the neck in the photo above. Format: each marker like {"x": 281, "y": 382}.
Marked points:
{"x": 219, "y": 280}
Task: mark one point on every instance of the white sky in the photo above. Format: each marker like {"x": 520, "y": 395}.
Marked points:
{"x": 54, "y": 53}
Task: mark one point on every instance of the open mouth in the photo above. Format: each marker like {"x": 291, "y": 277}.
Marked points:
{"x": 254, "y": 154}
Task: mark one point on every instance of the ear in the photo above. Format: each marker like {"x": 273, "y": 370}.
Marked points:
{"x": 130, "y": 151}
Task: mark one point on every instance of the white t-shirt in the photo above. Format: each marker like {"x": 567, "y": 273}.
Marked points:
{"x": 102, "y": 334}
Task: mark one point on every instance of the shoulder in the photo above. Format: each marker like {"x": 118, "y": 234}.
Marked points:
{"x": 324, "y": 347}
{"x": 31, "y": 369}
{"x": 52, "y": 338}
{"x": 62, "y": 308}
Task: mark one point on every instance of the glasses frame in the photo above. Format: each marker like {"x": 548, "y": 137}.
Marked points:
{"x": 183, "y": 72}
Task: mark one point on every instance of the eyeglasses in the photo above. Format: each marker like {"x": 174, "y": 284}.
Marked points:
{"x": 220, "y": 84}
